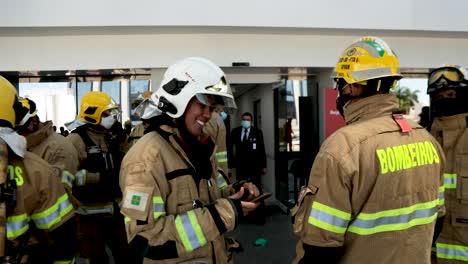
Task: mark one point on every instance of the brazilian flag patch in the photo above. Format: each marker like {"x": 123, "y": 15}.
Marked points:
{"x": 135, "y": 200}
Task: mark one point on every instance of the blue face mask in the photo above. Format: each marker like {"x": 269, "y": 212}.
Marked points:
{"x": 245, "y": 123}
{"x": 223, "y": 115}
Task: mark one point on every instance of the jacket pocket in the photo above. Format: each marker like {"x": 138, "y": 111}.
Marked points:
{"x": 300, "y": 212}
{"x": 462, "y": 178}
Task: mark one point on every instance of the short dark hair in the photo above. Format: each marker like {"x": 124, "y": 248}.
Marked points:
{"x": 247, "y": 114}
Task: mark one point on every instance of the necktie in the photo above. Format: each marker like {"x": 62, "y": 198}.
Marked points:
{"x": 245, "y": 135}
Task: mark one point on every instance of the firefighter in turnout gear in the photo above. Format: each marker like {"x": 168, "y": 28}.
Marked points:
{"x": 50, "y": 146}
{"x": 96, "y": 183}
{"x": 376, "y": 188}
{"x": 143, "y": 109}
{"x": 448, "y": 89}
{"x": 36, "y": 202}
{"x": 174, "y": 210}
{"x": 216, "y": 129}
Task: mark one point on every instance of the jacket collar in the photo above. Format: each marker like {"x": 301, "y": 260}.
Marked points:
{"x": 40, "y": 135}
{"x": 459, "y": 121}
{"x": 371, "y": 107}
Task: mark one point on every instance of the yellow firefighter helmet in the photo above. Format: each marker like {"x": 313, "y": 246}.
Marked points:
{"x": 93, "y": 104}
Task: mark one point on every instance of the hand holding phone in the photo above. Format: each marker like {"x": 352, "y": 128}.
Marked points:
{"x": 261, "y": 198}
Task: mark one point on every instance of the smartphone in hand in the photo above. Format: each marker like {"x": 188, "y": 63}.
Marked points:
{"x": 261, "y": 198}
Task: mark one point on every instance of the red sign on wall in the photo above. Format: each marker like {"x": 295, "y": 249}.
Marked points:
{"x": 333, "y": 119}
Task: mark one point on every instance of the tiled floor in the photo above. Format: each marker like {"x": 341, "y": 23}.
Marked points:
{"x": 280, "y": 246}
{"x": 281, "y": 243}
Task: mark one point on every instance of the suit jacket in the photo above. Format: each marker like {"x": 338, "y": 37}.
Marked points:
{"x": 248, "y": 156}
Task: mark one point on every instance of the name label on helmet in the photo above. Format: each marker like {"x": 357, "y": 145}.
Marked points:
{"x": 407, "y": 156}
{"x": 16, "y": 173}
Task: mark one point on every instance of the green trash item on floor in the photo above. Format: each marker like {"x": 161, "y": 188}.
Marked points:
{"x": 260, "y": 242}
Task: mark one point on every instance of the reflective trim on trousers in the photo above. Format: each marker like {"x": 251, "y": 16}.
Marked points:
{"x": 17, "y": 225}
{"x": 395, "y": 219}
{"x": 158, "y": 207}
{"x": 450, "y": 180}
{"x": 328, "y": 218}
{"x": 448, "y": 251}
{"x": 190, "y": 231}
{"x": 48, "y": 218}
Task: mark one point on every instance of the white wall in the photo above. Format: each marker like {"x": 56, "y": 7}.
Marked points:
{"x": 358, "y": 14}
{"x": 21, "y": 53}
{"x": 245, "y": 104}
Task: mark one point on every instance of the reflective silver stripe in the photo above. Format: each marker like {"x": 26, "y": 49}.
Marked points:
{"x": 17, "y": 225}
{"x": 221, "y": 181}
{"x": 158, "y": 207}
{"x": 448, "y": 251}
{"x": 221, "y": 156}
{"x": 95, "y": 210}
{"x": 68, "y": 178}
{"x": 55, "y": 216}
{"x": 49, "y": 217}
{"x": 365, "y": 74}
{"x": 405, "y": 218}
{"x": 81, "y": 177}
{"x": 441, "y": 194}
{"x": 328, "y": 218}
{"x": 369, "y": 48}
{"x": 450, "y": 180}
{"x": 189, "y": 231}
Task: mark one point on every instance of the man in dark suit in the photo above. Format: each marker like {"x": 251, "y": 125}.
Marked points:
{"x": 248, "y": 151}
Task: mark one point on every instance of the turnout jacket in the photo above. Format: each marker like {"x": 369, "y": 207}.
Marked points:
{"x": 452, "y": 133}
{"x": 374, "y": 190}
{"x": 56, "y": 150}
{"x": 96, "y": 183}
{"x": 42, "y": 206}
{"x": 179, "y": 219}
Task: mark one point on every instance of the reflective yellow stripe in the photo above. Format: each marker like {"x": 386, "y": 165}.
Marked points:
{"x": 441, "y": 195}
{"x": 17, "y": 225}
{"x": 221, "y": 156}
{"x": 190, "y": 231}
{"x": 450, "y": 180}
{"x": 48, "y": 218}
{"x": 158, "y": 207}
{"x": 221, "y": 181}
{"x": 396, "y": 219}
{"x": 68, "y": 178}
{"x": 448, "y": 251}
{"x": 328, "y": 218}
{"x": 71, "y": 261}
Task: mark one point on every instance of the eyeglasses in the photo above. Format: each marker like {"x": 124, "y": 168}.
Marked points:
{"x": 445, "y": 76}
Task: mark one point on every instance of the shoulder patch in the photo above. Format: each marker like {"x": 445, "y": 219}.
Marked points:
{"x": 135, "y": 200}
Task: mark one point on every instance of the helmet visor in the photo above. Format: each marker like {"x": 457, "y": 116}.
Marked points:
{"x": 223, "y": 94}
{"x": 114, "y": 112}
{"x": 147, "y": 109}
{"x": 445, "y": 76}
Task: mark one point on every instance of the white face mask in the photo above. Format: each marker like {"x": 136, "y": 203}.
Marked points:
{"x": 107, "y": 122}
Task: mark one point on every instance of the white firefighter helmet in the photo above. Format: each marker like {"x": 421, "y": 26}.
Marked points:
{"x": 188, "y": 78}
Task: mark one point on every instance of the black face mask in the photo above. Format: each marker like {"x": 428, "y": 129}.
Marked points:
{"x": 448, "y": 107}
{"x": 341, "y": 101}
